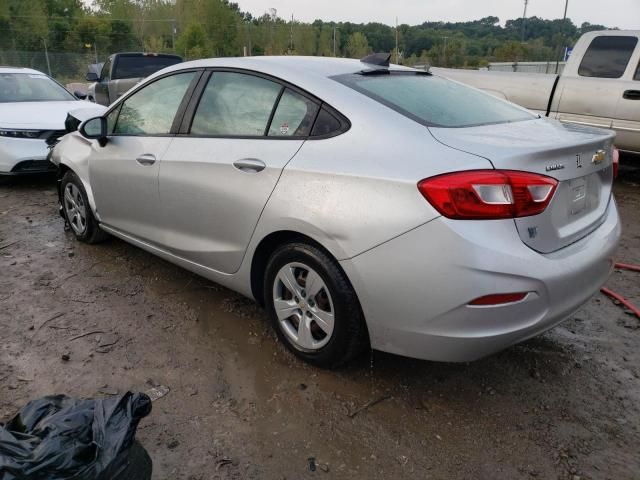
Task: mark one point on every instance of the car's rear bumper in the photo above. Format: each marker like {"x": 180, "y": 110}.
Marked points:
{"x": 415, "y": 289}
{"x": 24, "y": 156}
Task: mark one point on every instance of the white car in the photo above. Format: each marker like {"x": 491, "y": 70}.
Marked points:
{"x": 33, "y": 109}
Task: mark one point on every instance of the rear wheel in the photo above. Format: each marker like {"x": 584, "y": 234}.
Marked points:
{"x": 313, "y": 307}
{"x": 77, "y": 211}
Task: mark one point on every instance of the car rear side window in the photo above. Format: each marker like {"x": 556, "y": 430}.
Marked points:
{"x": 607, "y": 57}
{"x": 235, "y": 104}
{"x": 434, "y": 101}
{"x": 294, "y": 116}
{"x": 326, "y": 124}
{"x": 151, "y": 110}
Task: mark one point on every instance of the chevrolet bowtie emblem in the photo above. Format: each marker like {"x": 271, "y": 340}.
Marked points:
{"x": 598, "y": 157}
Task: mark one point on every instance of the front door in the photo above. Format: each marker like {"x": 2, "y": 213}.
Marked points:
{"x": 216, "y": 178}
{"x": 124, "y": 173}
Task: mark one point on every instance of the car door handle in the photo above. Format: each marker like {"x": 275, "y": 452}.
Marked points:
{"x": 146, "y": 159}
{"x": 631, "y": 94}
{"x": 249, "y": 165}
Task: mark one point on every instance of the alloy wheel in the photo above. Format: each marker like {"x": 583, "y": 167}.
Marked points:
{"x": 303, "y": 305}
{"x": 75, "y": 209}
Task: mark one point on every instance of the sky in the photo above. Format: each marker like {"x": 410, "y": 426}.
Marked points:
{"x": 624, "y": 14}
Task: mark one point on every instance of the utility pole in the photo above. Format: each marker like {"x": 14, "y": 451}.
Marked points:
{"x": 95, "y": 49}
{"x": 46, "y": 55}
{"x": 564, "y": 19}
{"x": 173, "y": 35}
{"x": 397, "y": 40}
{"x": 524, "y": 19}
{"x": 334, "y": 40}
{"x": 444, "y": 51}
{"x": 273, "y": 13}
{"x": 291, "y": 36}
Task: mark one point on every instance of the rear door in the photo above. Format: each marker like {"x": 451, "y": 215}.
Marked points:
{"x": 218, "y": 174}
{"x": 124, "y": 173}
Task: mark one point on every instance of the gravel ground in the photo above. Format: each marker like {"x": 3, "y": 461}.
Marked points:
{"x": 565, "y": 405}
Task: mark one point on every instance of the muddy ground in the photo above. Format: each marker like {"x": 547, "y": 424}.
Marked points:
{"x": 565, "y": 405}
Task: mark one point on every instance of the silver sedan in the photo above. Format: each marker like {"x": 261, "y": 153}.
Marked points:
{"x": 362, "y": 204}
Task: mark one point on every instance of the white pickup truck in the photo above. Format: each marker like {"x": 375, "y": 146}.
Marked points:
{"x": 600, "y": 86}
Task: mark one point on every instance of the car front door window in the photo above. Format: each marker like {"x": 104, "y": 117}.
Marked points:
{"x": 105, "y": 74}
{"x": 151, "y": 110}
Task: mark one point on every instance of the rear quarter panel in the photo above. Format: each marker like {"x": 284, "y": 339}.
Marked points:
{"x": 359, "y": 189}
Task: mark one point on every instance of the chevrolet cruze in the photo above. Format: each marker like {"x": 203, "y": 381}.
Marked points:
{"x": 362, "y": 204}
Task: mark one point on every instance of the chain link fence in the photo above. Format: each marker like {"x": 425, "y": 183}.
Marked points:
{"x": 64, "y": 67}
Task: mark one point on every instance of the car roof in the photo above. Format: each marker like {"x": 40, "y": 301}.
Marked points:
{"x": 4, "y": 69}
{"x": 312, "y": 74}
{"x": 293, "y": 65}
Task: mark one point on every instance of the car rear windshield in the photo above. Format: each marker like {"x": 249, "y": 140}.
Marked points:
{"x": 434, "y": 101}
{"x": 140, "y": 66}
{"x": 27, "y": 87}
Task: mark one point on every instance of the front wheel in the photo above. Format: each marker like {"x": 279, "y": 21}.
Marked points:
{"x": 77, "y": 211}
{"x": 313, "y": 307}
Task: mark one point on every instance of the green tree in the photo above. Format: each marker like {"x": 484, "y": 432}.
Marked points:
{"x": 357, "y": 45}
{"x": 193, "y": 43}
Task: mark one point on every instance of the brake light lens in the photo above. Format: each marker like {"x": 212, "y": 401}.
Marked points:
{"x": 488, "y": 194}
{"x": 615, "y": 160}
{"x": 498, "y": 299}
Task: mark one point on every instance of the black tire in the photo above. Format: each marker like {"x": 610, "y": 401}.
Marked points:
{"x": 92, "y": 233}
{"x": 349, "y": 336}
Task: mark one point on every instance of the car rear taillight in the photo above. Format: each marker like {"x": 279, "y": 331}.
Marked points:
{"x": 615, "y": 161}
{"x": 498, "y": 299}
{"x": 488, "y": 194}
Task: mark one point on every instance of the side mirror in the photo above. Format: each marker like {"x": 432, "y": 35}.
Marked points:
{"x": 95, "y": 129}
{"x": 79, "y": 95}
{"x": 92, "y": 77}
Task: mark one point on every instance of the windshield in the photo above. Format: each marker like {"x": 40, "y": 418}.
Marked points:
{"x": 140, "y": 66}
{"x": 31, "y": 87}
{"x": 434, "y": 101}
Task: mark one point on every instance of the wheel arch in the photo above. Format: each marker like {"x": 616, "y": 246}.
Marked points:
{"x": 71, "y": 154}
{"x": 267, "y": 246}
{"x": 62, "y": 169}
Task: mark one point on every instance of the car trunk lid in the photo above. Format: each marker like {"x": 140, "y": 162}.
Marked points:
{"x": 580, "y": 158}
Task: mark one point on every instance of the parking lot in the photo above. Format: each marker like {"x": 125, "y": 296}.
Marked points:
{"x": 99, "y": 320}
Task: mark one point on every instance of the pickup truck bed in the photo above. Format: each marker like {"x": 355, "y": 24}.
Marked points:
{"x": 530, "y": 90}
{"x": 599, "y": 87}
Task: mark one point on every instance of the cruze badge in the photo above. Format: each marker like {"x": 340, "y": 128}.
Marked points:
{"x": 554, "y": 166}
{"x": 598, "y": 157}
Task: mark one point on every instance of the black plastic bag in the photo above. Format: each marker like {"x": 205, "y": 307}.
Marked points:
{"x": 58, "y": 437}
